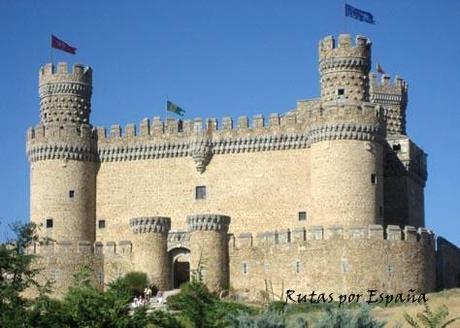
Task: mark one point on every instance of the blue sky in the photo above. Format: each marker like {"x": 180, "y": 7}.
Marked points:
{"x": 229, "y": 58}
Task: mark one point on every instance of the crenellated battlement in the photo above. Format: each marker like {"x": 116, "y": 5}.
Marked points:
{"x": 83, "y": 247}
{"x": 61, "y": 73}
{"x": 387, "y": 91}
{"x": 176, "y": 129}
{"x": 312, "y": 234}
{"x": 343, "y": 46}
{"x": 208, "y": 222}
{"x": 69, "y": 142}
{"x": 150, "y": 224}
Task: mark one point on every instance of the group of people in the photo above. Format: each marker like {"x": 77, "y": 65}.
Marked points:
{"x": 145, "y": 299}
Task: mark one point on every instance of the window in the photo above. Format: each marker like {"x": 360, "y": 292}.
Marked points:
{"x": 71, "y": 193}
{"x": 373, "y": 178}
{"x": 49, "y": 223}
{"x": 100, "y": 277}
{"x": 101, "y": 224}
{"x": 302, "y": 216}
{"x": 297, "y": 266}
{"x": 397, "y": 147}
{"x": 245, "y": 268}
{"x": 341, "y": 92}
{"x": 381, "y": 211}
{"x": 55, "y": 275}
{"x": 200, "y": 192}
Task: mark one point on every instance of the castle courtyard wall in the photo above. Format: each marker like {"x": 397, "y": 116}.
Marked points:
{"x": 334, "y": 261}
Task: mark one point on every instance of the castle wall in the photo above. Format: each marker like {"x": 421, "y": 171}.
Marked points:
{"x": 236, "y": 184}
{"x": 396, "y": 200}
{"x": 335, "y": 261}
{"x": 58, "y": 262}
{"x": 448, "y": 264}
{"x": 405, "y": 177}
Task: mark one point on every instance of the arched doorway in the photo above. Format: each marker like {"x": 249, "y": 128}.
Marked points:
{"x": 180, "y": 266}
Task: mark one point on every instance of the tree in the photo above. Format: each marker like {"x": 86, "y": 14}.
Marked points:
{"x": 16, "y": 275}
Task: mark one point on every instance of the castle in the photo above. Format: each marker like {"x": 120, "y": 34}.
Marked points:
{"x": 328, "y": 196}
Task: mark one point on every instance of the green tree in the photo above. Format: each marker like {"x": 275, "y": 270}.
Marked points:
{"x": 16, "y": 275}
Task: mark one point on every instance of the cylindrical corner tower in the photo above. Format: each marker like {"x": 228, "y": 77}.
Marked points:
{"x": 62, "y": 152}
{"x": 346, "y": 150}
{"x": 209, "y": 249}
{"x": 150, "y": 248}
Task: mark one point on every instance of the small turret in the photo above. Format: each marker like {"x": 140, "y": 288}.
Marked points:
{"x": 344, "y": 68}
{"x": 65, "y": 97}
{"x": 150, "y": 248}
{"x": 209, "y": 248}
{"x": 393, "y": 96}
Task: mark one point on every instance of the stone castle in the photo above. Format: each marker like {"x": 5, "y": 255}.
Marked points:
{"x": 328, "y": 196}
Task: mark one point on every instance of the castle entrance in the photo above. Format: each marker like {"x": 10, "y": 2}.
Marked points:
{"x": 180, "y": 266}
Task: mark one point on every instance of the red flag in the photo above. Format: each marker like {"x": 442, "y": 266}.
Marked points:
{"x": 61, "y": 45}
{"x": 380, "y": 69}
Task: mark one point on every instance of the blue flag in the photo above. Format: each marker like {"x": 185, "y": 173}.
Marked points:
{"x": 172, "y": 107}
{"x": 358, "y": 14}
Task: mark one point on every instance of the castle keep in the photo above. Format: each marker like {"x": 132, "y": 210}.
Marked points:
{"x": 328, "y": 196}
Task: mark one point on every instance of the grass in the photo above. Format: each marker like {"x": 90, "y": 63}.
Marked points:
{"x": 395, "y": 313}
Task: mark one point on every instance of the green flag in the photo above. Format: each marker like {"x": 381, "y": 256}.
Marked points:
{"x": 172, "y": 107}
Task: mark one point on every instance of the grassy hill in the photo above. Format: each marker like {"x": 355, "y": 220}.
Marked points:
{"x": 394, "y": 314}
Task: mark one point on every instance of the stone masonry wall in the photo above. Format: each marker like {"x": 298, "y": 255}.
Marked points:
{"x": 448, "y": 264}
{"x": 334, "y": 260}
{"x": 59, "y": 261}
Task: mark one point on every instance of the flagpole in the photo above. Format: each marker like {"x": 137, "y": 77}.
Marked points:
{"x": 51, "y": 55}
{"x": 344, "y": 17}
{"x": 166, "y": 109}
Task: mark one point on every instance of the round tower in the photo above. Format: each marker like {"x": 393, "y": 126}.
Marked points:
{"x": 62, "y": 152}
{"x": 346, "y": 136}
{"x": 209, "y": 249}
{"x": 344, "y": 69}
{"x": 150, "y": 248}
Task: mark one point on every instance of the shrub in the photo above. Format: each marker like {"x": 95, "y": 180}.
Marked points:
{"x": 428, "y": 318}
{"x": 135, "y": 282}
{"x": 343, "y": 318}
{"x": 272, "y": 317}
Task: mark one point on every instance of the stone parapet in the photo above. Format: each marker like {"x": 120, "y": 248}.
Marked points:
{"x": 151, "y": 224}
{"x": 312, "y": 234}
{"x": 388, "y": 92}
{"x": 343, "y": 53}
{"x": 208, "y": 222}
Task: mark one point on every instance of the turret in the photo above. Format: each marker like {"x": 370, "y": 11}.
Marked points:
{"x": 150, "y": 248}
{"x": 393, "y": 96}
{"x": 209, "y": 249}
{"x": 344, "y": 68}
{"x": 65, "y": 97}
{"x": 63, "y": 156}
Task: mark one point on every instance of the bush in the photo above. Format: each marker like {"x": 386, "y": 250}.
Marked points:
{"x": 135, "y": 282}
{"x": 201, "y": 308}
{"x": 428, "y": 318}
{"x": 343, "y": 318}
{"x": 273, "y": 317}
